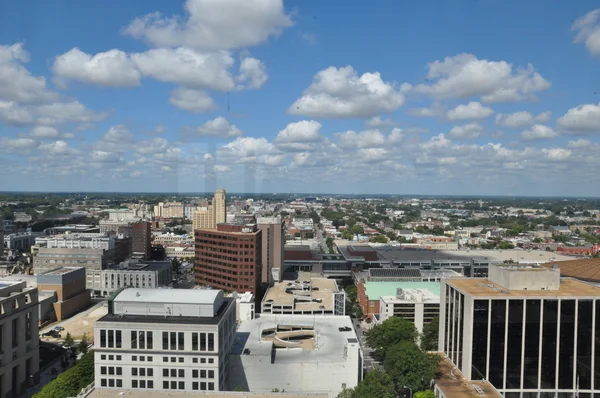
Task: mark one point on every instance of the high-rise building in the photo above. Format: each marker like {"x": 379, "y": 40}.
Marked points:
{"x": 525, "y": 330}
{"x": 140, "y": 233}
{"x": 273, "y": 242}
{"x": 165, "y": 339}
{"x": 229, "y": 258}
{"x": 213, "y": 214}
{"x": 19, "y": 341}
{"x": 169, "y": 210}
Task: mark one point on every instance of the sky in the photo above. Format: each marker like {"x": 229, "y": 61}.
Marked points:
{"x": 477, "y": 97}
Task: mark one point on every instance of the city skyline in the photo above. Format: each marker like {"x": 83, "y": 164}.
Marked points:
{"x": 296, "y": 97}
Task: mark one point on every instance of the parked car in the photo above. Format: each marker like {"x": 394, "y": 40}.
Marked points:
{"x": 59, "y": 328}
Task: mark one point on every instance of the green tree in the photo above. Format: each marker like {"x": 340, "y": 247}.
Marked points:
{"x": 346, "y": 393}
{"x": 391, "y": 331}
{"x": 376, "y": 384}
{"x": 175, "y": 266}
{"x": 82, "y": 346}
{"x": 378, "y": 239}
{"x": 504, "y": 245}
{"x": 429, "y": 339}
{"x": 329, "y": 243}
{"x": 410, "y": 366}
{"x": 70, "y": 382}
{"x": 356, "y": 230}
{"x": 424, "y": 394}
{"x": 69, "y": 342}
{"x": 347, "y": 235}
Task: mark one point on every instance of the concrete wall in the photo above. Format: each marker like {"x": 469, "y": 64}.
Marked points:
{"x": 525, "y": 279}
{"x": 72, "y": 306}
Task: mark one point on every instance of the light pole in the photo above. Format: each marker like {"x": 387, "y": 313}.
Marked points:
{"x": 409, "y": 389}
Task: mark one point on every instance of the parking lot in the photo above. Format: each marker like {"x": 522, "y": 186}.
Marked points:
{"x": 80, "y": 324}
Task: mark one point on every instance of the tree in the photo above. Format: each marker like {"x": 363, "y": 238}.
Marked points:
{"x": 391, "y": 331}
{"x": 424, "y": 394}
{"x": 69, "y": 342}
{"x": 378, "y": 239}
{"x": 329, "y": 243}
{"x": 504, "y": 245}
{"x": 356, "y": 230}
{"x": 284, "y": 214}
{"x": 82, "y": 347}
{"x": 376, "y": 384}
{"x": 410, "y": 366}
{"x": 70, "y": 382}
{"x": 429, "y": 339}
{"x": 175, "y": 266}
{"x": 346, "y": 393}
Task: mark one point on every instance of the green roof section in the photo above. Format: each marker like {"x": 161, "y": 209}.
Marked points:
{"x": 377, "y": 289}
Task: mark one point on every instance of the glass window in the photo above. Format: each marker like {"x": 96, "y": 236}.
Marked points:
{"x": 118, "y": 339}
{"x": 102, "y": 370}
{"x": 194, "y": 385}
{"x": 211, "y": 341}
{"x": 165, "y": 337}
{"x": 514, "y": 344}
{"x": 173, "y": 341}
{"x": 143, "y": 372}
{"x": 119, "y": 371}
{"x": 165, "y": 385}
{"x": 195, "y": 373}
{"x": 142, "y": 383}
{"x": 149, "y": 337}
{"x": 532, "y": 343}
{"x": 134, "y": 384}
{"x": 181, "y": 373}
{"x": 180, "y": 341}
{"x": 202, "y": 341}
{"x": 150, "y": 372}
{"x": 549, "y": 337}
{"x": 173, "y": 385}
{"x": 173, "y": 372}
{"x": 165, "y": 372}
{"x": 211, "y": 386}
{"x": 497, "y": 343}
{"x": 119, "y": 383}
{"x": 134, "y": 371}
{"x": 150, "y": 384}
{"x": 195, "y": 341}
{"x": 133, "y": 339}
{"x": 211, "y": 374}
{"x": 182, "y": 385}
{"x": 567, "y": 344}
{"x": 142, "y": 339}
{"x": 480, "y": 327}
{"x": 584, "y": 344}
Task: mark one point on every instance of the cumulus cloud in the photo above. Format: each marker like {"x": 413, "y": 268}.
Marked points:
{"x": 342, "y": 93}
{"x": 253, "y": 73}
{"x": 581, "y": 120}
{"x": 539, "y": 132}
{"x": 587, "y": 30}
{"x": 218, "y": 127}
{"x": 544, "y": 117}
{"x": 111, "y": 68}
{"x": 196, "y": 101}
{"x": 362, "y": 139}
{"x": 17, "y": 145}
{"x": 465, "y": 76}
{"x": 299, "y": 136}
{"x": 44, "y": 132}
{"x": 211, "y": 24}
{"x": 13, "y": 114}
{"x": 514, "y": 120}
{"x": 472, "y": 110}
{"x": 378, "y": 121}
{"x": 63, "y": 112}
{"x": 468, "y": 131}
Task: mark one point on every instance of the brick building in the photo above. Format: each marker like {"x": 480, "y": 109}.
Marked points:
{"x": 69, "y": 283}
{"x": 141, "y": 242}
{"x": 229, "y": 258}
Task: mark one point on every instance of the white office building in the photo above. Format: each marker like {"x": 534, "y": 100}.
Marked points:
{"x": 525, "y": 330}
{"x": 77, "y": 241}
{"x": 19, "y": 342}
{"x": 419, "y": 306}
{"x": 148, "y": 275}
{"x": 244, "y": 306}
{"x": 165, "y": 339}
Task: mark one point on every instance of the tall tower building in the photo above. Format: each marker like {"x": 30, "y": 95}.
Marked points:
{"x": 273, "y": 242}
{"x": 219, "y": 207}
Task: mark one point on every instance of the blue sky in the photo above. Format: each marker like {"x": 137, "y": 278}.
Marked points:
{"x": 466, "y": 97}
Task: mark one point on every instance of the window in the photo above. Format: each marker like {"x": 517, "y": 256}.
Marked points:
{"x": 165, "y": 359}
{"x": 211, "y": 360}
{"x": 195, "y": 373}
{"x": 203, "y": 373}
{"x": 118, "y": 339}
{"x": 143, "y": 372}
{"x": 103, "y": 382}
{"x": 111, "y": 338}
{"x": 173, "y": 385}
{"x": 181, "y": 359}
{"x": 195, "y": 341}
{"x": 211, "y": 386}
{"x": 165, "y": 385}
{"x": 142, "y": 358}
{"x": 173, "y": 359}
{"x": 202, "y": 360}
{"x": 211, "y": 374}
{"x": 149, "y": 359}
{"x": 194, "y": 385}
{"x": 119, "y": 371}
{"x": 134, "y": 358}
{"x": 180, "y": 341}
{"x": 134, "y": 339}
{"x": 173, "y": 372}
{"x": 134, "y": 371}
{"x": 149, "y": 340}
{"x": 150, "y": 384}
{"x": 173, "y": 341}
{"x": 194, "y": 360}
{"x": 111, "y": 382}
{"x": 111, "y": 357}
{"x": 134, "y": 384}
{"x": 150, "y": 372}
{"x": 202, "y": 341}
{"x": 181, "y": 372}
{"x": 165, "y": 372}
{"x": 103, "y": 338}
{"x": 165, "y": 338}
{"x": 119, "y": 357}
{"x": 142, "y": 339}
{"x": 119, "y": 383}
{"x": 203, "y": 385}
{"x": 102, "y": 370}
{"x": 102, "y": 356}
{"x": 142, "y": 383}
{"x": 182, "y": 385}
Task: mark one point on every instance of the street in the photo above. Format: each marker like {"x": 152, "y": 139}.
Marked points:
{"x": 368, "y": 361}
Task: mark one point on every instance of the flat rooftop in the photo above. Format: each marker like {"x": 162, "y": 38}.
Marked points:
{"x": 117, "y": 393}
{"x": 327, "y": 347}
{"x": 454, "y": 385}
{"x": 377, "y": 289}
{"x": 399, "y": 254}
{"x": 172, "y": 296}
{"x": 62, "y": 271}
{"x": 482, "y": 287}
{"x": 326, "y": 288}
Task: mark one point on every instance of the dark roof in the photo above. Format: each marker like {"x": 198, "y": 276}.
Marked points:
{"x": 585, "y": 269}
{"x": 304, "y": 248}
{"x": 394, "y": 272}
{"x": 192, "y": 320}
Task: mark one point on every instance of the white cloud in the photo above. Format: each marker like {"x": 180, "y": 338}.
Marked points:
{"x": 17, "y": 145}
{"x": 111, "y": 68}
{"x": 196, "y": 101}
{"x": 539, "y": 132}
{"x": 187, "y": 67}
{"x": 362, "y": 139}
{"x": 581, "y": 120}
{"x": 544, "y": 117}
{"x": 514, "y": 120}
{"x": 253, "y": 73}
{"x": 302, "y": 131}
{"x": 472, "y": 110}
{"x": 152, "y": 146}
{"x": 249, "y": 150}
{"x": 468, "y": 131}
{"x": 218, "y": 127}
{"x": 465, "y": 76}
{"x": 44, "y": 132}
{"x": 587, "y": 29}
{"x": 59, "y": 147}
{"x": 63, "y": 112}
{"x": 13, "y": 114}
{"x": 214, "y": 24}
{"x": 105, "y": 157}
{"x": 378, "y": 121}
{"x": 17, "y": 82}
{"x": 432, "y": 111}
{"x": 342, "y": 93}
{"x": 557, "y": 153}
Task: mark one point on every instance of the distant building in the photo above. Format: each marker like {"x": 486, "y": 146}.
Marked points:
{"x": 169, "y": 210}
{"x": 19, "y": 240}
{"x": 306, "y": 296}
{"x": 244, "y": 306}
{"x": 273, "y": 243}
{"x": 215, "y": 213}
{"x": 141, "y": 239}
{"x": 146, "y": 275}
{"x": 560, "y": 230}
{"x": 69, "y": 283}
{"x": 229, "y": 258}
{"x": 19, "y": 341}
{"x": 165, "y": 340}
{"x": 524, "y": 329}
{"x": 296, "y": 353}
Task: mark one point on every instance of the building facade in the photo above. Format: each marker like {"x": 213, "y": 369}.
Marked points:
{"x": 524, "y": 330}
{"x": 165, "y": 339}
{"x": 420, "y": 306}
{"x": 273, "y": 243}
{"x": 148, "y": 275}
{"x": 169, "y": 210}
{"x": 229, "y": 258}
{"x": 69, "y": 283}
{"x": 141, "y": 238}
{"x": 215, "y": 213}
{"x": 19, "y": 341}
{"x": 19, "y": 240}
